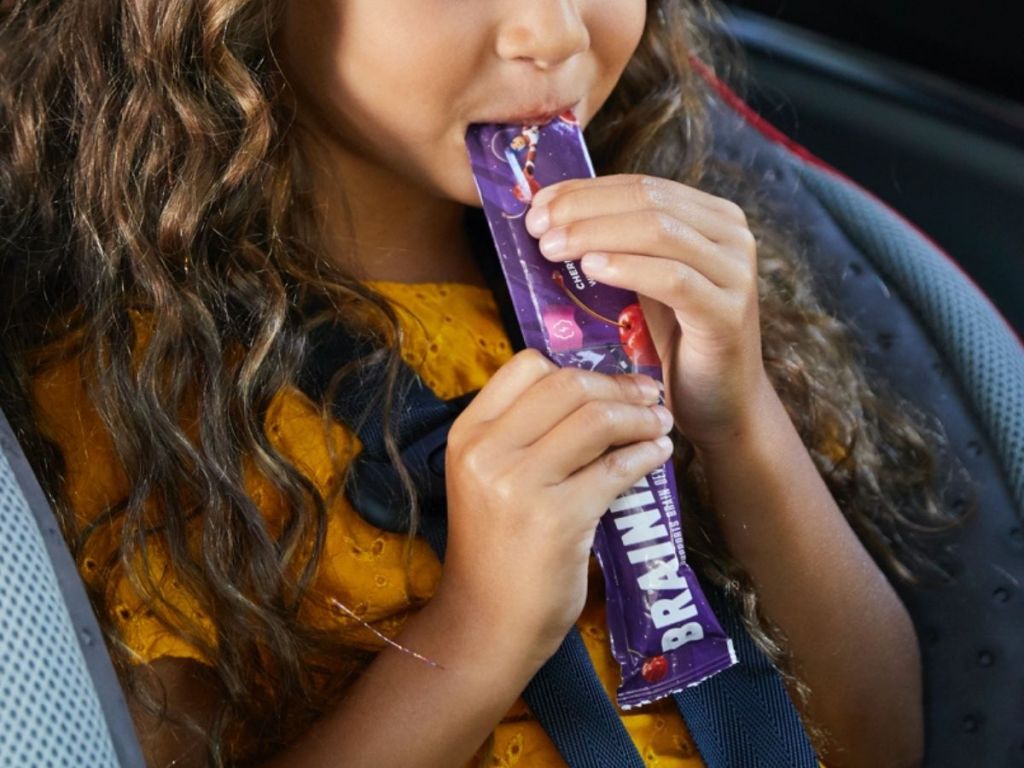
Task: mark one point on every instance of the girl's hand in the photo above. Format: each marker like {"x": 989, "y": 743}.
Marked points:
{"x": 531, "y": 465}
{"x": 692, "y": 261}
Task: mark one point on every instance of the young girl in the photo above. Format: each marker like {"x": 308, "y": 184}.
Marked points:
{"x": 181, "y": 178}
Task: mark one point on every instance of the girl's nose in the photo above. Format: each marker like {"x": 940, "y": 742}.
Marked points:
{"x": 545, "y": 32}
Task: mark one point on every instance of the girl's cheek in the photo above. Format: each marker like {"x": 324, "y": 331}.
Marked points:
{"x": 615, "y": 33}
{"x": 619, "y": 27}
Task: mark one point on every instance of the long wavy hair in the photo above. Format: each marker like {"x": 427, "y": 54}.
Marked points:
{"x": 149, "y": 167}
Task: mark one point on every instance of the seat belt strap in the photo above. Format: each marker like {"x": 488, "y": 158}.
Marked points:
{"x": 743, "y": 716}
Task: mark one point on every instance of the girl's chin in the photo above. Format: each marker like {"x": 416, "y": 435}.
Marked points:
{"x": 465, "y": 191}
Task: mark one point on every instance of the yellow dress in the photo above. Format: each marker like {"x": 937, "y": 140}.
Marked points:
{"x": 455, "y": 341}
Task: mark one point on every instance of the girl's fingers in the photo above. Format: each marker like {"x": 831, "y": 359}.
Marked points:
{"x": 589, "y": 431}
{"x": 639, "y": 181}
{"x": 719, "y": 220}
{"x": 651, "y": 233}
{"x": 617, "y": 470}
{"x": 507, "y": 384}
{"x": 547, "y": 404}
{"x": 587, "y": 202}
{"x": 699, "y": 302}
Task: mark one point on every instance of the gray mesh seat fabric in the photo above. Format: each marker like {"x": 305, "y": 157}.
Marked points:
{"x": 60, "y": 703}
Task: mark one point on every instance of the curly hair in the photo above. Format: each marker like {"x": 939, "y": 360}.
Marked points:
{"x": 149, "y": 167}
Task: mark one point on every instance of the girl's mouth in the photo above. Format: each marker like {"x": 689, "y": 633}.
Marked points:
{"x": 534, "y": 115}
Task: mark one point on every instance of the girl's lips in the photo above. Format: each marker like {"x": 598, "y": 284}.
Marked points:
{"x": 540, "y": 119}
{"x": 533, "y": 116}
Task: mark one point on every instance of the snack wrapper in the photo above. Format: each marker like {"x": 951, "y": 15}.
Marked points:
{"x": 663, "y": 632}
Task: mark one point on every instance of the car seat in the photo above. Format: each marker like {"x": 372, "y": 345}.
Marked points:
{"x": 926, "y": 327}
{"x": 942, "y": 345}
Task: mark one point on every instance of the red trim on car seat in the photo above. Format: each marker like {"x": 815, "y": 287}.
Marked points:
{"x": 774, "y": 134}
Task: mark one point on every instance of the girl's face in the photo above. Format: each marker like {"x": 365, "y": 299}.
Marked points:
{"x": 395, "y": 83}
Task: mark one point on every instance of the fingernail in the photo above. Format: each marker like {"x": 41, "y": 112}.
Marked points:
{"x": 538, "y": 220}
{"x": 542, "y": 198}
{"x": 649, "y": 388}
{"x": 664, "y": 442}
{"x": 553, "y": 243}
{"x": 664, "y": 416}
{"x": 593, "y": 262}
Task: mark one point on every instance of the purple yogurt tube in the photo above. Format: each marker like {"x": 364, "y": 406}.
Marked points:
{"x": 662, "y": 630}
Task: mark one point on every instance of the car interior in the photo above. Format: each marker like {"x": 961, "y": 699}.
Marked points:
{"x": 909, "y": 187}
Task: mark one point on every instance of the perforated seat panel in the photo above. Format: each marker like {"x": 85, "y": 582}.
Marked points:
{"x": 57, "y": 687}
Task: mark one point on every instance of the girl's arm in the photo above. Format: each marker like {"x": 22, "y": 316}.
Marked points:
{"x": 401, "y": 711}
{"x": 532, "y": 463}
{"x": 692, "y": 259}
{"x": 189, "y": 690}
{"x": 851, "y": 637}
